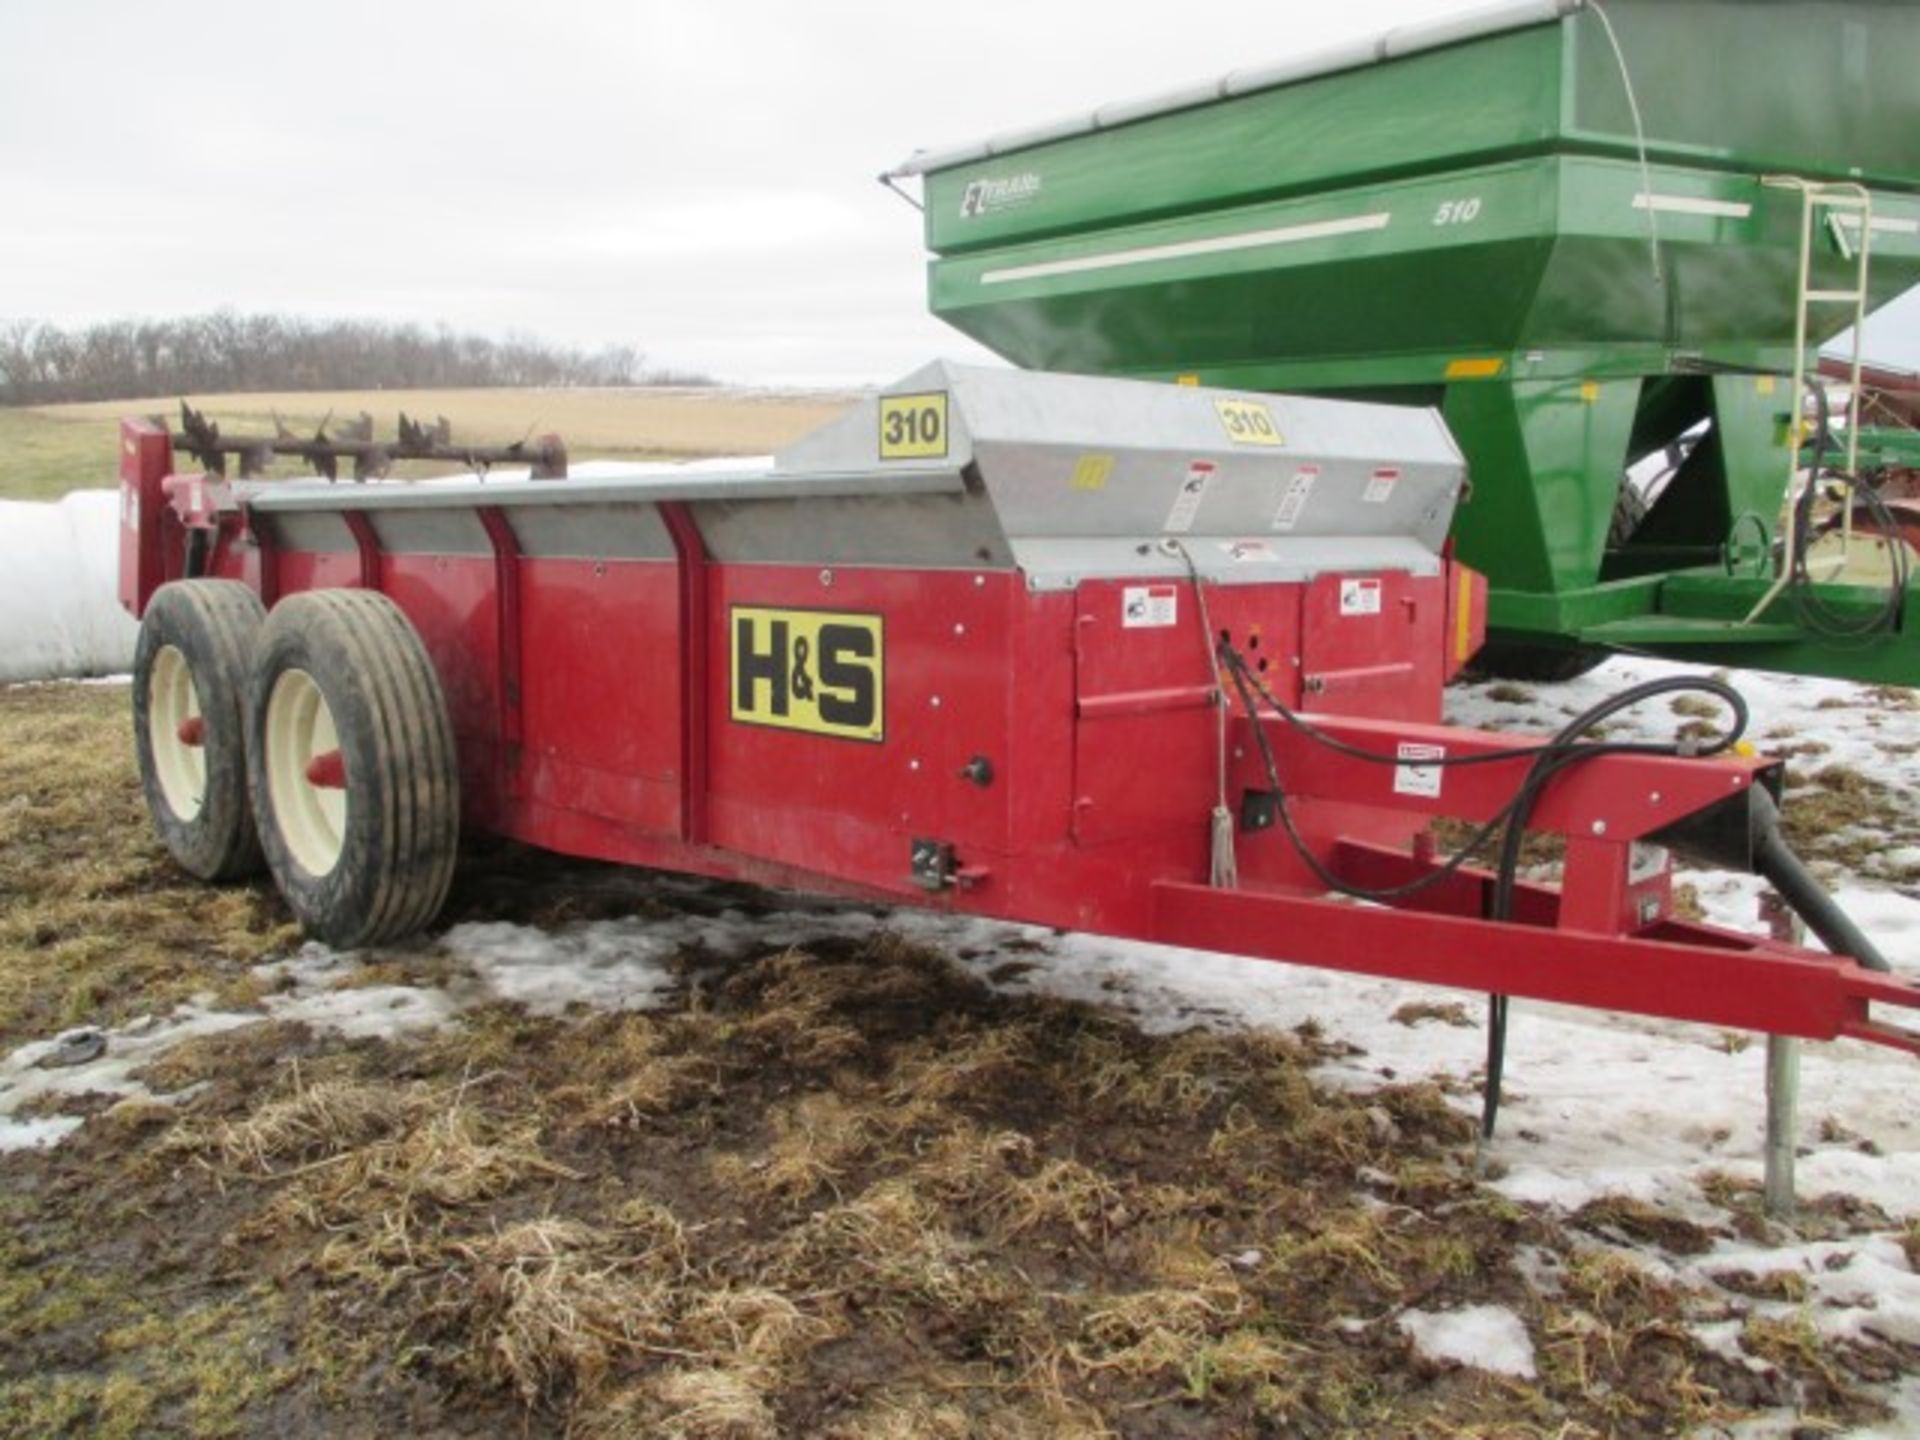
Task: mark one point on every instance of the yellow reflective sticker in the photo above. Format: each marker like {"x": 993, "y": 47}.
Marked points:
{"x": 1248, "y": 422}
{"x": 1590, "y": 391}
{"x": 1475, "y": 369}
{"x": 1463, "y": 618}
{"x": 1763, "y": 384}
{"x": 1090, "y": 472}
{"x": 913, "y": 427}
{"x": 818, "y": 671}
{"x": 1186, "y": 379}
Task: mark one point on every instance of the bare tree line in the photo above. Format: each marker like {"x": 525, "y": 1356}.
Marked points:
{"x": 43, "y": 364}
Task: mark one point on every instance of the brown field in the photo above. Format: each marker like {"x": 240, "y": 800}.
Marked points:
{"x": 837, "y": 1188}
{"x": 46, "y": 451}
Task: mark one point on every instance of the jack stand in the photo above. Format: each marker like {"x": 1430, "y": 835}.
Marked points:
{"x": 1783, "y": 1083}
{"x": 1783, "y": 1114}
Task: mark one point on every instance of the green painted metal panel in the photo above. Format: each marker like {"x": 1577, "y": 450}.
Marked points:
{"x": 1445, "y": 110}
{"x": 1881, "y": 448}
{"x": 1329, "y": 277}
{"x": 1801, "y": 87}
{"x": 1531, "y": 255}
{"x": 1533, "y": 513}
{"x": 1476, "y": 227}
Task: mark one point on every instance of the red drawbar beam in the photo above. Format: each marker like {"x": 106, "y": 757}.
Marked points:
{"x": 1679, "y": 972}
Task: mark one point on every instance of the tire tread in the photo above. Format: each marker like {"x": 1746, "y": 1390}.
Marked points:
{"x": 364, "y": 640}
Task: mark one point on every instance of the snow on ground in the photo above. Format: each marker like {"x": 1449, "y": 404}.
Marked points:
{"x": 311, "y": 998}
{"x": 1860, "y": 726}
{"x": 58, "y": 613}
{"x": 1486, "y": 1337}
{"x": 605, "y": 965}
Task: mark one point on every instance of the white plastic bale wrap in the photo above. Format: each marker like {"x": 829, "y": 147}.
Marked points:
{"x": 59, "y": 615}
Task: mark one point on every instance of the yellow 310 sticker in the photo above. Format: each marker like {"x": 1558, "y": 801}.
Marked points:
{"x": 818, "y": 671}
{"x": 913, "y": 427}
{"x": 1248, "y": 422}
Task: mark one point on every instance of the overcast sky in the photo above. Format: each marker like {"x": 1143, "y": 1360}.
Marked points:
{"x": 696, "y": 179}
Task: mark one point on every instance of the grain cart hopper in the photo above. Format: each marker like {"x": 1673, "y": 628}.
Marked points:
{"x": 1152, "y": 661}
{"x": 1577, "y": 229}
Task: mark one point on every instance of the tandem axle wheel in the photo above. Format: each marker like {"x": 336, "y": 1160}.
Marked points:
{"x": 314, "y": 740}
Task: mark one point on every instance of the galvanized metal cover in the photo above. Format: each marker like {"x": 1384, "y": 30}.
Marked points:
{"x": 1064, "y": 477}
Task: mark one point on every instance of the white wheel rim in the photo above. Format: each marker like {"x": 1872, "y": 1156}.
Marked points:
{"x": 179, "y": 764}
{"x": 311, "y": 819}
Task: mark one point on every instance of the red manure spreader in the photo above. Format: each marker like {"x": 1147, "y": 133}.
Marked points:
{"x": 1153, "y": 661}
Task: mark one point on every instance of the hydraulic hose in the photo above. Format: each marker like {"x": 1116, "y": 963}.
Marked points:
{"x": 1543, "y": 762}
{"x": 1774, "y": 861}
{"x": 1814, "y": 614}
{"x": 1771, "y": 857}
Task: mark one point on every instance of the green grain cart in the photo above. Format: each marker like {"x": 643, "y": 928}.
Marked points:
{"x": 1603, "y": 238}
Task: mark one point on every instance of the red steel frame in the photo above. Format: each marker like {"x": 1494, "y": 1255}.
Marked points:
{"x": 590, "y": 701}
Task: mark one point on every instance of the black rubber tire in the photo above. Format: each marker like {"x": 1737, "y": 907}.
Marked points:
{"x": 215, "y": 626}
{"x": 401, "y": 832}
{"x": 1522, "y": 660}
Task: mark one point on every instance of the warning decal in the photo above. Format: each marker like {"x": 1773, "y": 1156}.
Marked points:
{"x": 818, "y": 671}
{"x": 1380, "y": 487}
{"x": 1410, "y": 777}
{"x": 1359, "y": 597}
{"x": 1186, "y": 504}
{"x": 1149, "y": 607}
{"x": 1293, "y": 504}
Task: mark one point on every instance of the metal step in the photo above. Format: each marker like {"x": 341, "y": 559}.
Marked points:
{"x": 1683, "y": 630}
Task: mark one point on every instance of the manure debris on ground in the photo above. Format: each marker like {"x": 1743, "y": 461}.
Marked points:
{"x": 835, "y": 1185}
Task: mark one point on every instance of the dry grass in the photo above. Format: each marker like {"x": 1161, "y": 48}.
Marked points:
{"x": 1621, "y": 1217}
{"x": 1447, "y": 1012}
{"x": 841, "y": 1190}
{"x": 693, "y": 1403}
{"x": 96, "y": 924}
{"x": 1062, "y": 1194}
{"x": 455, "y": 1156}
{"x": 1842, "y": 815}
{"x": 316, "y": 1121}
{"x": 553, "y": 1304}
{"x": 633, "y": 1081}
{"x": 816, "y": 1142}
